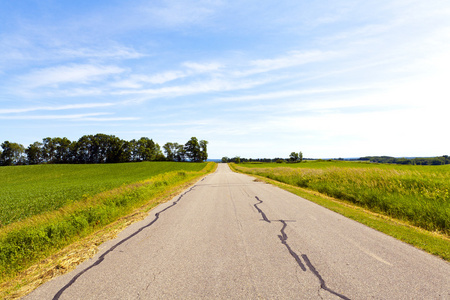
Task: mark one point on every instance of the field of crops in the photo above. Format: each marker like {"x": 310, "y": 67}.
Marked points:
{"x": 417, "y": 194}
{"x": 31, "y": 190}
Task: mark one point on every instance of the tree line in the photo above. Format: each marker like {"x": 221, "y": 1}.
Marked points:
{"x": 100, "y": 148}
{"x": 294, "y": 157}
{"x": 439, "y": 160}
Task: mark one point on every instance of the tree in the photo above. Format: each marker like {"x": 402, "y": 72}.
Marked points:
{"x": 225, "y": 159}
{"x": 100, "y": 144}
{"x": 147, "y": 149}
{"x": 192, "y": 148}
{"x": 174, "y": 152}
{"x": 62, "y": 150}
{"x": 203, "y": 150}
{"x": 159, "y": 156}
{"x": 196, "y": 151}
{"x": 180, "y": 154}
{"x": 84, "y": 150}
{"x": 34, "y": 153}
{"x": 48, "y": 150}
{"x": 12, "y": 154}
{"x": 118, "y": 151}
{"x": 300, "y": 156}
{"x": 293, "y": 157}
{"x": 169, "y": 150}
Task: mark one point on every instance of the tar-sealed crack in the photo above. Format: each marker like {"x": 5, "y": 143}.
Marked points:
{"x": 283, "y": 238}
{"x": 260, "y": 211}
{"x": 102, "y": 257}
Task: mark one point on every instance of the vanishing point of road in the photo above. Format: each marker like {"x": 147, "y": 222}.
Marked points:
{"x": 231, "y": 237}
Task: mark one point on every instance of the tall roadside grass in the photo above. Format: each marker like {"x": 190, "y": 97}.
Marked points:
{"x": 417, "y": 194}
{"x": 25, "y": 242}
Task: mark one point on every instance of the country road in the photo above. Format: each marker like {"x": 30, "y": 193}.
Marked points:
{"x": 230, "y": 237}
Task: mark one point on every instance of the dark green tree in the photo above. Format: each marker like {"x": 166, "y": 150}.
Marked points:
{"x": 48, "y": 150}
{"x": 293, "y": 157}
{"x": 180, "y": 154}
{"x": 192, "y": 148}
{"x": 170, "y": 150}
{"x": 118, "y": 151}
{"x": 34, "y": 153}
{"x": 203, "y": 150}
{"x": 147, "y": 149}
{"x": 12, "y": 154}
{"x": 62, "y": 150}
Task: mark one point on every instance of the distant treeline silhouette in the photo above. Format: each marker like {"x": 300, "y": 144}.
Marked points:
{"x": 100, "y": 148}
{"x": 439, "y": 160}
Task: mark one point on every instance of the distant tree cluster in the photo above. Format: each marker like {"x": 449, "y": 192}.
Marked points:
{"x": 439, "y": 160}
{"x": 99, "y": 148}
{"x": 296, "y": 157}
{"x": 293, "y": 158}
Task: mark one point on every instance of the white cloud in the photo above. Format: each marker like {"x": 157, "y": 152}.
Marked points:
{"x": 52, "y": 117}
{"x": 194, "y": 87}
{"x": 286, "y": 94}
{"x": 71, "y": 117}
{"x": 191, "y": 69}
{"x": 79, "y": 74}
{"x": 295, "y": 58}
{"x": 113, "y": 52}
{"x": 52, "y": 108}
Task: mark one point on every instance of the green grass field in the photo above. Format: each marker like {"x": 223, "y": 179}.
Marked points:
{"x": 419, "y": 195}
{"x": 31, "y": 190}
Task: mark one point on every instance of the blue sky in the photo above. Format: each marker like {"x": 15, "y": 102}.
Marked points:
{"x": 254, "y": 78}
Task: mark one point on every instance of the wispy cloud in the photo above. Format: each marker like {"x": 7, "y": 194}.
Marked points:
{"x": 292, "y": 59}
{"x": 71, "y": 117}
{"x": 273, "y": 96}
{"x": 52, "y": 117}
{"x": 194, "y": 88}
{"x": 53, "y": 108}
{"x": 80, "y": 74}
{"x": 114, "y": 52}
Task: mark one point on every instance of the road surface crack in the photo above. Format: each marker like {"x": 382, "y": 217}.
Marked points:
{"x": 283, "y": 238}
{"x": 102, "y": 257}
{"x": 260, "y": 211}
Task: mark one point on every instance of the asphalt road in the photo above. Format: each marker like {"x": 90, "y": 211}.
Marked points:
{"x": 229, "y": 237}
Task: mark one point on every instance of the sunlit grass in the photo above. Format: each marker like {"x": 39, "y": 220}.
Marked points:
{"x": 417, "y": 194}
{"x": 31, "y": 190}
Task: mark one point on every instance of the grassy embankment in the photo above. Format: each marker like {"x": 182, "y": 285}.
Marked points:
{"x": 416, "y": 199}
{"x": 47, "y": 207}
